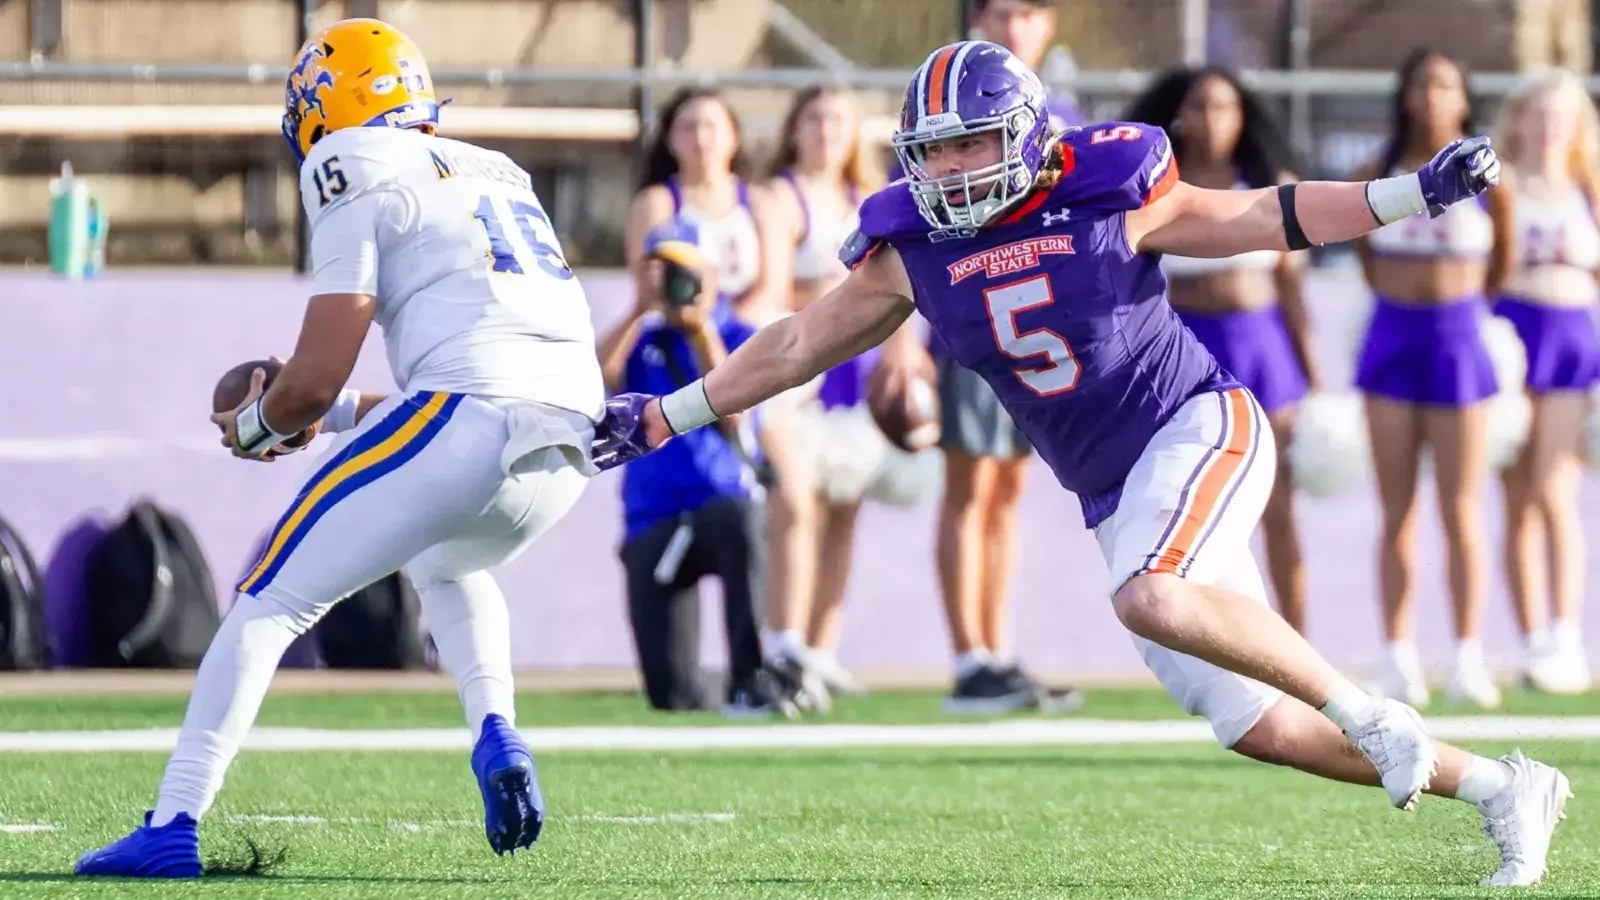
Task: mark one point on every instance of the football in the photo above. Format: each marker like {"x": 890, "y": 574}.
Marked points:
{"x": 235, "y": 384}
{"x": 907, "y": 413}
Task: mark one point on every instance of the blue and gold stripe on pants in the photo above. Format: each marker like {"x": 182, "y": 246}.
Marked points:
{"x": 385, "y": 447}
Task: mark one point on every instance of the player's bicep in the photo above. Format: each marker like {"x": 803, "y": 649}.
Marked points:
{"x": 864, "y": 309}
{"x": 1199, "y": 222}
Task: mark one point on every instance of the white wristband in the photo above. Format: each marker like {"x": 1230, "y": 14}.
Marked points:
{"x": 255, "y": 435}
{"x": 1393, "y": 199}
{"x": 688, "y": 408}
{"x": 342, "y": 415}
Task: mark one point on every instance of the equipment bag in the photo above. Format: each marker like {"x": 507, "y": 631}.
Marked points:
{"x": 376, "y": 627}
{"x": 24, "y": 632}
{"x": 151, "y": 598}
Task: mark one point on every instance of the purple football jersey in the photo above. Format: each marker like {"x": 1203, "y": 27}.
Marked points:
{"x": 1069, "y": 326}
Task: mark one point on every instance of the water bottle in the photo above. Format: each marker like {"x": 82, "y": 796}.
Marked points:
{"x": 69, "y": 224}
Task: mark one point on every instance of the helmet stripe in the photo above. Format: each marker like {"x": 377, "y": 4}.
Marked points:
{"x": 936, "y": 79}
{"x": 955, "y": 74}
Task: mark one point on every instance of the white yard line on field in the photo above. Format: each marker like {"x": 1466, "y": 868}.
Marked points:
{"x": 1009, "y": 733}
{"x": 402, "y": 825}
{"x": 27, "y": 827}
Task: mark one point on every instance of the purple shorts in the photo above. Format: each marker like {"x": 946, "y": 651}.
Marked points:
{"x": 1431, "y": 354}
{"x": 1562, "y": 343}
{"x": 1254, "y": 347}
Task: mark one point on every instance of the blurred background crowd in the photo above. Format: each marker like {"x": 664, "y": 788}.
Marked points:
{"x": 750, "y": 131}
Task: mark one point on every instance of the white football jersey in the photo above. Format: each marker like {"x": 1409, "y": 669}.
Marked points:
{"x": 474, "y": 294}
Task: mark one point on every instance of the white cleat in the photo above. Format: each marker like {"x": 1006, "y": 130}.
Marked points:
{"x": 1396, "y": 743}
{"x": 1522, "y": 818}
{"x": 1471, "y": 683}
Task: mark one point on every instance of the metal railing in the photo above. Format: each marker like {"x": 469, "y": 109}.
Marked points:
{"x": 1273, "y": 82}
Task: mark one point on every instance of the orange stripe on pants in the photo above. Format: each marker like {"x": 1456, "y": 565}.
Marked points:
{"x": 1211, "y": 487}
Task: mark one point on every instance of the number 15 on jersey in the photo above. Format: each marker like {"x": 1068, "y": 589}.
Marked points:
{"x": 533, "y": 226}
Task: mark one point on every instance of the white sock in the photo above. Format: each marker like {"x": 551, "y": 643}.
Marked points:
{"x": 1537, "y": 641}
{"x": 1348, "y": 706}
{"x": 228, "y": 690}
{"x": 1567, "y": 634}
{"x": 1469, "y": 652}
{"x": 1483, "y": 779}
{"x": 971, "y": 661}
{"x": 470, "y": 626}
{"x": 1403, "y": 654}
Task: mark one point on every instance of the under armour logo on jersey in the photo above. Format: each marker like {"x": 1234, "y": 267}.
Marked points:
{"x": 1057, "y": 218}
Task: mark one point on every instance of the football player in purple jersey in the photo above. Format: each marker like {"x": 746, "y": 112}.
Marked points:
{"x": 1034, "y": 256}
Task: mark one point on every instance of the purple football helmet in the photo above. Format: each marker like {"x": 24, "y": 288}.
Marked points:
{"x": 972, "y": 87}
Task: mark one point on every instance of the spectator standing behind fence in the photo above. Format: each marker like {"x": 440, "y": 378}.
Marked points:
{"x": 697, "y": 511}
{"x": 1550, "y": 137}
{"x": 1425, "y": 372}
{"x": 819, "y": 176}
{"x": 1248, "y": 310}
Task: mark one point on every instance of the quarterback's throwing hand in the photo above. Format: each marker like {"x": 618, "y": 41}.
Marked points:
{"x": 623, "y": 435}
{"x": 1464, "y": 169}
{"x": 228, "y": 420}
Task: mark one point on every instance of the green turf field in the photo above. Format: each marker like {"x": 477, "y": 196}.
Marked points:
{"x": 1182, "y": 820}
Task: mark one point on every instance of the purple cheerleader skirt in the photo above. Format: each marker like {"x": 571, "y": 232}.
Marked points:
{"x": 1254, "y": 347}
{"x": 1431, "y": 354}
{"x": 846, "y": 384}
{"x": 1562, "y": 343}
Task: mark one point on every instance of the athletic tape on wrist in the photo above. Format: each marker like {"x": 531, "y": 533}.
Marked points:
{"x": 1393, "y": 199}
{"x": 688, "y": 408}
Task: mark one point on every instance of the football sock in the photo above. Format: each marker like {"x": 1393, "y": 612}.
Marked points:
{"x": 1348, "y": 706}
{"x": 228, "y": 690}
{"x": 470, "y": 626}
{"x": 1483, "y": 779}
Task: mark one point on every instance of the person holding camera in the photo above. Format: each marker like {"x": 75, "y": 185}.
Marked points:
{"x": 696, "y": 509}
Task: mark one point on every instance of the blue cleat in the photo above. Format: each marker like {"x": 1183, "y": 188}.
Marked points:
{"x": 170, "y": 851}
{"x": 513, "y": 808}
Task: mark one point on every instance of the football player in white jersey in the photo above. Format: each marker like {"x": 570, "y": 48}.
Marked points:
{"x": 484, "y": 446}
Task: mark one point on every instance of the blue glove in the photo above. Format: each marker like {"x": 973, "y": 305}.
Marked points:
{"x": 620, "y": 437}
{"x": 1464, "y": 169}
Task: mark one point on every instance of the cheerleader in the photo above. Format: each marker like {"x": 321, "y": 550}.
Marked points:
{"x": 1248, "y": 310}
{"x": 1425, "y": 372}
{"x": 1549, "y": 137}
{"x": 695, "y": 170}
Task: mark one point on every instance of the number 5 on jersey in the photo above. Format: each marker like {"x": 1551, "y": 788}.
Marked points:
{"x": 1060, "y": 371}
{"x": 530, "y": 220}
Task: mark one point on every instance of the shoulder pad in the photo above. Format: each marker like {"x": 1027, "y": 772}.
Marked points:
{"x": 891, "y": 211}
{"x": 345, "y": 165}
{"x": 1117, "y": 166}
{"x": 887, "y": 214}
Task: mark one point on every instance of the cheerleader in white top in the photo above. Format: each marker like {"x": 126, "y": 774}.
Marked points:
{"x": 1426, "y": 372}
{"x": 1248, "y": 310}
{"x": 833, "y": 452}
{"x": 1550, "y": 138}
{"x": 695, "y": 171}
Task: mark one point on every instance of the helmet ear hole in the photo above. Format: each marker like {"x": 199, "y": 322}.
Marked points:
{"x": 317, "y": 133}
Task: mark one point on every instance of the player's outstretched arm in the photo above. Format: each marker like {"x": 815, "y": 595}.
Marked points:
{"x": 863, "y": 311}
{"x": 1198, "y": 222}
